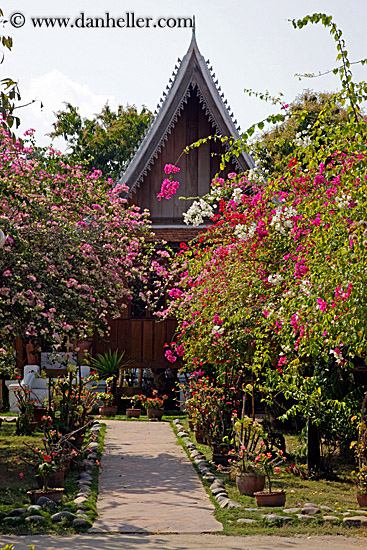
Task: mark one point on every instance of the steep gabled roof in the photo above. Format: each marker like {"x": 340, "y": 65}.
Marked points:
{"x": 192, "y": 76}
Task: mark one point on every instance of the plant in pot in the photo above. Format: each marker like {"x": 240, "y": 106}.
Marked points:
{"x": 360, "y": 449}
{"x": 154, "y": 405}
{"x": 108, "y": 367}
{"x": 248, "y": 472}
{"x": 134, "y": 412}
{"x": 108, "y": 409}
{"x": 269, "y": 463}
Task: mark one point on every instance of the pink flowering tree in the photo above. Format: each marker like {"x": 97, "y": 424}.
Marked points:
{"x": 72, "y": 249}
{"x": 278, "y": 282}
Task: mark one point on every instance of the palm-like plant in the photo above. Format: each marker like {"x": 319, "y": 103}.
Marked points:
{"x": 108, "y": 366}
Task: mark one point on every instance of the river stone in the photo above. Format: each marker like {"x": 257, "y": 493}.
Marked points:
{"x": 195, "y": 453}
{"x": 46, "y": 503}
{"x": 355, "y": 521}
{"x": 81, "y": 514}
{"x": 33, "y": 509}
{"x": 216, "y": 484}
{"x": 92, "y": 456}
{"x": 93, "y": 446}
{"x": 326, "y": 508}
{"x": 310, "y": 511}
{"x": 59, "y": 516}
{"x": 80, "y": 500}
{"x": 291, "y": 510}
{"x": 36, "y": 519}
{"x": 17, "y": 512}
{"x": 218, "y": 490}
{"x": 330, "y": 518}
{"x": 208, "y": 477}
{"x": 86, "y": 465}
{"x": 80, "y": 522}
{"x": 310, "y": 505}
{"x": 234, "y": 504}
{"x": 246, "y": 520}
{"x": 305, "y": 517}
{"x": 251, "y": 509}
{"x": 223, "y": 503}
{"x": 357, "y": 512}
{"x": 84, "y": 483}
{"x": 85, "y": 476}
{"x": 274, "y": 518}
{"x": 221, "y": 496}
{"x": 11, "y": 519}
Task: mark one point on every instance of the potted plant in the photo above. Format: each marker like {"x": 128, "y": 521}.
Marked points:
{"x": 134, "y": 412}
{"x": 360, "y": 449}
{"x": 270, "y": 465}
{"x": 153, "y": 405}
{"x": 108, "y": 367}
{"x": 107, "y": 409}
{"x": 248, "y": 472}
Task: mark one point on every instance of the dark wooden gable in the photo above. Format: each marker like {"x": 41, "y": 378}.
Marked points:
{"x": 193, "y": 108}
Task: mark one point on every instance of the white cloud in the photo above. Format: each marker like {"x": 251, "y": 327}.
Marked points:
{"x": 53, "y": 90}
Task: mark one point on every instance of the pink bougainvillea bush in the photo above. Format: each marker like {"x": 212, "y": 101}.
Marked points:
{"x": 278, "y": 282}
{"x": 73, "y": 249}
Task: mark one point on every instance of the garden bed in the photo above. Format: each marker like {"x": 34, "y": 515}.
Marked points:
{"x": 17, "y": 477}
{"x": 337, "y": 497}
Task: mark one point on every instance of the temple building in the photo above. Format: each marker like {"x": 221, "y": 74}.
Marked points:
{"x": 192, "y": 107}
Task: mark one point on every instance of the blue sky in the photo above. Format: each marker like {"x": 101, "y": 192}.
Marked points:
{"x": 249, "y": 44}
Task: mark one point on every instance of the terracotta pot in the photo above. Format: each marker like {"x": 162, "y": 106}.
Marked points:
{"x": 155, "y": 414}
{"x": 55, "y": 479}
{"x": 108, "y": 411}
{"x": 133, "y": 413}
{"x": 249, "y": 483}
{"x": 220, "y": 459}
{"x": 275, "y": 498}
{"x": 199, "y": 436}
{"x": 53, "y": 494}
{"x": 362, "y": 500}
{"x": 38, "y": 413}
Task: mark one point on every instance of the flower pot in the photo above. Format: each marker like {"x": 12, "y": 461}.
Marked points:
{"x": 362, "y": 500}
{"x": 275, "y": 498}
{"x": 220, "y": 459}
{"x": 249, "y": 483}
{"x": 199, "y": 436}
{"x": 39, "y": 413}
{"x": 108, "y": 411}
{"x": 133, "y": 413}
{"x": 53, "y": 494}
{"x": 154, "y": 414}
{"x": 54, "y": 479}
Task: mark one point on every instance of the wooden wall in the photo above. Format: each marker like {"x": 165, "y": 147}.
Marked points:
{"x": 197, "y": 168}
{"x": 142, "y": 340}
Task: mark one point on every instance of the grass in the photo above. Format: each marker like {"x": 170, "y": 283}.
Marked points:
{"x": 339, "y": 495}
{"x": 13, "y": 487}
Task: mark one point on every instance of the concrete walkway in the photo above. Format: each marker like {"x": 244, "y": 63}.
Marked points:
{"x": 148, "y": 484}
{"x": 182, "y": 542}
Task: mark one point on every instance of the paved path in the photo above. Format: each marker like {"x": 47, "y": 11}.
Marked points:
{"x": 148, "y": 484}
{"x": 182, "y": 542}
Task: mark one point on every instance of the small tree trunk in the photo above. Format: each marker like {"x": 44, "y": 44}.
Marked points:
{"x": 313, "y": 447}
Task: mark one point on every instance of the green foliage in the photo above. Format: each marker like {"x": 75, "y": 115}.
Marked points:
{"x": 109, "y": 364}
{"x": 9, "y": 93}
{"x": 105, "y": 142}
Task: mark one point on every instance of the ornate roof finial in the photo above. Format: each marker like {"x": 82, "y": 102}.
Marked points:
{"x": 193, "y": 26}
